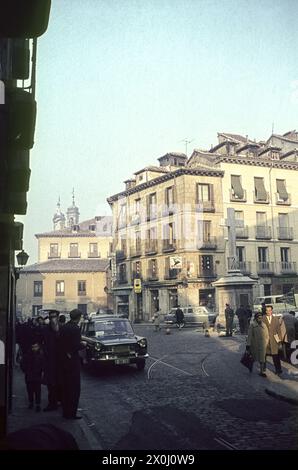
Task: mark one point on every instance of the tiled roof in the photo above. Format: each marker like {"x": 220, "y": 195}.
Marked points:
{"x": 68, "y": 265}
{"x": 237, "y": 137}
{"x": 158, "y": 169}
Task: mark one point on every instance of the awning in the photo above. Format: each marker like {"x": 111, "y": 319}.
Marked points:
{"x": 236, "y": 186}
{"x": 261, "y": 193}
{"x": 281, "y": 189}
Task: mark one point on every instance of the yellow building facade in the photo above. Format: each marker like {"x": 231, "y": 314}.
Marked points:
{"x": 71, "y": 268}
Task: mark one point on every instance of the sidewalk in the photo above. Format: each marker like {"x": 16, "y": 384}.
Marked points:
{"x": 21, "y": 417}
{"x": 284, "y": 387}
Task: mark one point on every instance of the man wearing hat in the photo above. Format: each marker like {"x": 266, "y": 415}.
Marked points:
{"x": 70, "y": 345}
{"x": 257, "y": 341}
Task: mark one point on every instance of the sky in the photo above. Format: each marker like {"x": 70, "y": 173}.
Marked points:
{"x": 122, "y": 82}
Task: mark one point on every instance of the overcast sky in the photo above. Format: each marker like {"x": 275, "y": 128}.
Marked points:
{"x": 122, "y": 82}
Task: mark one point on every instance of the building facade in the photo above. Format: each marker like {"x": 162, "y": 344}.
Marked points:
{"x": 71, "y": 268}
{"x": 170, "y": 235}
{"x": 168, "y": 245}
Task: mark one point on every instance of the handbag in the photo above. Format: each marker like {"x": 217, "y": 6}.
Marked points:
{"x": 247, "y": 360}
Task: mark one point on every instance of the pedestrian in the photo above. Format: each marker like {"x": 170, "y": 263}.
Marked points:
{"x": 275, "y": 337}
{"x": 229, "y": 314}
{"x": 32, "y": 365}
{"x": 242, "y": 318}
{"x": 257, "y": 341}
{"x": 62, "y": 319}
{"x": 289, "y": 332}
{"x": 52, "y": 373}
{"x": 157, "y": 321}
{"x": 70, "y": 344}
{"x": 179, "y": 317}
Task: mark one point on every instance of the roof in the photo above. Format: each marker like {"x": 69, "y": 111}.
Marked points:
{"x": 158, "y": 169}
{"x": 67, "y": 265}
{"x": 173, "y": 154}
{"x": 83, "y": 229}
{"x": 237, "y": 137}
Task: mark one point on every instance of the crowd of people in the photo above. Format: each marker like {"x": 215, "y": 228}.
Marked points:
{"x": 49, "y": 355}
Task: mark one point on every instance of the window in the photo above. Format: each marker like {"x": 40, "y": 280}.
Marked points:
{"x": 169, "y": 233}
{"x": 73, "y": 250}
{"x": 237, "y": 190}
{"x": 283, "y": 220}
{"x": 137, "y": 206}
{"x": 35, "y": 310}
{"x": 285, "y": 255}
{"x": 93, "y": 250}
{"x": 53, "y": 250}
{"x": 138, "y": 241}
{"x": 123, "y": 244}
{"x": 81, "y": 287}
{"x": 122, "y": 215}
{"x": 92, "y": 228}
{"x": 240, "y": 253}
{"x": 151, "y": 206}
{"x": 239, "y": 215}
{"x": 262, "y": 254}
{"x": 282, "y": 190}
{"x": 169, "y": 196}
{"x": 83, "y": 308}
{"x": 260, "y": 191}
{"x": 37, "y": 289}
{"x": 203, "y": 192}
{"x": 122, "y": 273}
{"x": 137, "y": 269}
{"x": 261, "y": 219}
{"x": 60, "y": 288}
{"x": 204, "y": 230}
{"x": 153, "y": 268}
{"x": 206, "y": 264}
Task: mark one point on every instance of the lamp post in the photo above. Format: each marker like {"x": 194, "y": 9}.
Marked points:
{"x": 22, "y": 258}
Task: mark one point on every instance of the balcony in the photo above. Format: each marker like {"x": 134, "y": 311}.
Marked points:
{"x": 261, "y": 200}
{"x": 135, "y": 251}
{"x": 135, "y": 219}
{"x": 81, "y": 293}
{"x": 152, "y": 275}
{"x": 205, "y": 206}
{"x": 151, "y": 247}
{"x": 204, "y": 272}
{"x": 120, "y": 255}
{"x": 169, "y": 210}
{"x": 209, "y": 243}
{"x": 93, "y": 254}
{"x": 121, "y": 280}
{"x": 243, "y": 266}
{"x": 168, "y": 246}
{"x": 54, "y": 255}
{"x": 152, "y": 214}
{"x": 242, "y": 232}
{"x": 235, "y": 198}
{"x": 263, "y": 232}
{"x": 285, "y": 233}
{"x": 171, "y": 273}
{"x": 283, "y": 202}
{"x": 265, "y": 267}
{"x": 122, "y": 223}
{"x": 288, "y": 267}
{"x": 74, "y": 254}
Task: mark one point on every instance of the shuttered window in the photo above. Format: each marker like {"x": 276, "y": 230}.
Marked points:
{"x": 260, "y": 191}
{"x": 237, "y": 187}
{"x": 282, "y": 190}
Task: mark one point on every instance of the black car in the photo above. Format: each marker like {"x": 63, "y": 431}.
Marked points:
{"x": 111, "y": 340}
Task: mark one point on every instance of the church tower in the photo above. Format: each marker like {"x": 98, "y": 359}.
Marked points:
{"x": 73, "y": 213}
{"x": 59, "y": 218}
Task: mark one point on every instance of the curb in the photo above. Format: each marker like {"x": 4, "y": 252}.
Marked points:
{"x": 278, "y": 396}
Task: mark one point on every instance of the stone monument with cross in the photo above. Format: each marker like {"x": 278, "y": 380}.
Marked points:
{"x": 234, "y": 288}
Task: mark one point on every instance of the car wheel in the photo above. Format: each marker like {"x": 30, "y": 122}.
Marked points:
{"x": 141, "y": 364}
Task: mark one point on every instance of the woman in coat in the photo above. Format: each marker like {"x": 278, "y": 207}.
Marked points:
{"x": 257, "y": 342}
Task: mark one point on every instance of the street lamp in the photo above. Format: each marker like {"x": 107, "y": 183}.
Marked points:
{"x": 22, "y": 258}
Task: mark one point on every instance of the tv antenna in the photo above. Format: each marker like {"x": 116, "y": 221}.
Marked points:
{"x": 186, "y": 142}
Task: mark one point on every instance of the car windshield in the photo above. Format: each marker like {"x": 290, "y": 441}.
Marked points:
{"x": 106, "y": 328}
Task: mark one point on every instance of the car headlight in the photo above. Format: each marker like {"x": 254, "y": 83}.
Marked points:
{"x": 98, "y": 346}
{"x": 142, "y": 343}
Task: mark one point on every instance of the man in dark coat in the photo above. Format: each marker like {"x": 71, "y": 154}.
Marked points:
{"x": 51, "y": 355}
{"x": 242, "y": 317}
{"x": 179, "y": 317}
{"x": 275, "y": 337}
{"x": 70, "y": 344}
{"x": 229, "y": 314}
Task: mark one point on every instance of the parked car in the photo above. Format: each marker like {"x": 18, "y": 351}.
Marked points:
{"x": 278, "y": 302}
{"x": 111, "y": 340}
{"x": 192, "y": 316}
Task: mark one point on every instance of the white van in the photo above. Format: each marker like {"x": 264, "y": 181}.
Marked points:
{"x": 280, "y": 306}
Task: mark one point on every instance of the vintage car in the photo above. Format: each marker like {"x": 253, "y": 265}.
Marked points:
{"x": 192, "y": 316}
{"x": 111, "y": 340}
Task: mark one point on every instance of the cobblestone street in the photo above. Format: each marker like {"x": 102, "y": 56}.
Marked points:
{"x": 193, "y": 394}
